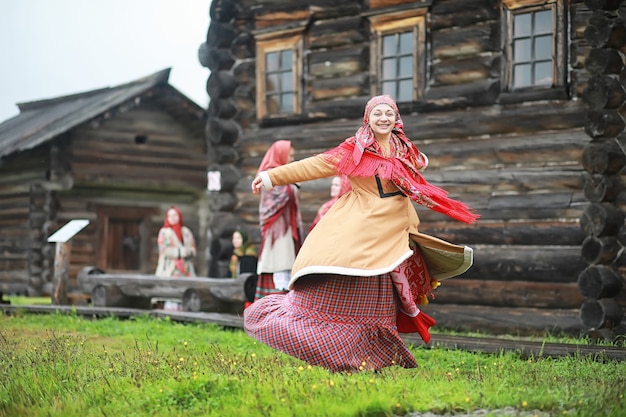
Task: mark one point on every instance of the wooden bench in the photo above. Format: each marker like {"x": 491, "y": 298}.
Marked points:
{"x": 224, "y": 295}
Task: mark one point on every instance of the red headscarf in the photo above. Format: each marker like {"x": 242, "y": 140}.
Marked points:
{"x": 343, "y": 188}
{"x": 274, "y": 202}
{"x": 178, "y": 227}
{"x": 360, "y": 156}
{"x": 277, "y": 155}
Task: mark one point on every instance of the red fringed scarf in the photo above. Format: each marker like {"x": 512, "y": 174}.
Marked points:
{"x": 273, "y": 220}
{"x": 178, "y": 227}
{"x": 360, "y": 156}
{"x": 274, "y": 202}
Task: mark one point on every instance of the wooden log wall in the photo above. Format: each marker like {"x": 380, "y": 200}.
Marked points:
{"x": 140, "y": 157}
{"x": 28, "y": 187}
{"x": 230, "y": 88}
{"x": 112, "y": 167}
{"x": 604, "y": 159}
{"x": 517, "y": 160}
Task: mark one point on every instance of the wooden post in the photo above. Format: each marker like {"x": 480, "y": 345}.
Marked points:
{"x": 63, "y": 237}
{"x": 61, "y": 272}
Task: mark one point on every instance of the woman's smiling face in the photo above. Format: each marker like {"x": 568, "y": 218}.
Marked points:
{"x": 382, "y": 119}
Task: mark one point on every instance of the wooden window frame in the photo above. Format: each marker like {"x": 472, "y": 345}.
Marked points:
{"x": 272, "y": 43}
{"x": 392, "y": 23}
{"x": 558, "y": 88}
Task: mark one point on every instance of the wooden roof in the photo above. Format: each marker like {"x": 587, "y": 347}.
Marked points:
{"x": 42, "y": 120}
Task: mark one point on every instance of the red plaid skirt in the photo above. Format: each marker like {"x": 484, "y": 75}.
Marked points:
{"x": 338, "y": 322}
{"x": 265, "y": 286}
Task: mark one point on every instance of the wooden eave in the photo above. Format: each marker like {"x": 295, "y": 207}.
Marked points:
{"x": 43, "y": 120}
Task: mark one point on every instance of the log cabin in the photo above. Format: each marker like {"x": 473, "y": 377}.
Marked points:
{"x": 118, "y": 157}
{"x": 519, "y": 104}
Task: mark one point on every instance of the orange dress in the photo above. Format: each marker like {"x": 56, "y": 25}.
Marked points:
{"x": 377, "y": 207}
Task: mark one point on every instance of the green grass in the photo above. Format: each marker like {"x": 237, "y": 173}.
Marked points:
{"x": 67, "y": 365}
{"x": 20, "y": 300}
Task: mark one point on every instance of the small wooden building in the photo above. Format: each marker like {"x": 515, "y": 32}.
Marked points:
{"x": 118, "y": 157}
{"x": 495, "y": 92}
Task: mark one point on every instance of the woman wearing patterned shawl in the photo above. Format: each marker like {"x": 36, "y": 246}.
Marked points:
{"x": 365, "y": 267}
{"x": 338, "y": 187}
{"x": 281, "y": 226}
{"x": 177, "y": 247}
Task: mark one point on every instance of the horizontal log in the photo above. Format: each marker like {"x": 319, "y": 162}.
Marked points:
{"x": 229, "y": 175}
{"x": 222, "y": 108}
{"x": 337, "y": 32}
{"x": 221, "y": 248}
{"x": 603, "y": 4}
{"x": 480, "y": 92}
{"x": 215, "y": 59}
{"x": 330, "y": 9}
{"x": 222, "y": 201}
{"x": 220, "y": 35}
{"x": 224, "y": 155}
{"x": 603, "y": 157}
{"x": 125, "y": 289}
{"x": 604, "y": 124}
{"x": 601, "y": 219}
{"x": 604, "y": 61}
{"x": 340, "y": 61}
{"x": 600, "y": 250}
{"x": 222, "y": 10}
{"x": 504, "y": 320}
{"x": 245, "y": 72}
{"x": 464, "y": 41}
{"x": 459, "y": 13}
{"x": 221, "y": 84}
{"x": 526, "y": 263}
{"x": 296, "y": 14}
{"x": 512, "y": 294}
{"x": 222, "y": 131}
{"x": 336, "y": 87}
{"x": 599, "y": 281}
{"x": 604, "y": 313}
{"x": 603, "y": 188}
{"x": 537, "y": 232}
{"x": 604, "y": 92}
{"x": 243, "y": 46}
{"x": 604, "y": 32}
{"x": 111, "y": 295}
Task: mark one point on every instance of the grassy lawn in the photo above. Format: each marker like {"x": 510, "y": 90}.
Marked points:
{"x": 67, "y": 365}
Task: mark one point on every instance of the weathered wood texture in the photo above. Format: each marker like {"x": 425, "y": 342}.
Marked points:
{"x": 515, "y": 158}
{"x": 135, "y": 290}
{"x": 142, "y": 159}
{"x": 604, "y": 159}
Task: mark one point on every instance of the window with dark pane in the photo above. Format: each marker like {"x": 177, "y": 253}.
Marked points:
{"x": 279, "y": 85}
{"x": 397, "y": 65}
{"x": 533, "y": 49}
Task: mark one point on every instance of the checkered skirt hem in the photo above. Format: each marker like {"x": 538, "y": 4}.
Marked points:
{"x": 338, "y": 322}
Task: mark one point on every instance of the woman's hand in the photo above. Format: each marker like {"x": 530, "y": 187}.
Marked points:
{"x": 257, "y": 183}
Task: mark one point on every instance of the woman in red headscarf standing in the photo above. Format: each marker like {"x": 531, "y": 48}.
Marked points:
{"x": 365, "y": 267}
{"x": 177, "y": 247}
{"x": 338, "y": 187}
{"x": 281, "y": 226}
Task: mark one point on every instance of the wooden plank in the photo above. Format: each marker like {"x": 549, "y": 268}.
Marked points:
{"x": 504, "y": 320}
{"x": 102, "y": 286}
{"x": 464, "y": 291}
{"x": 541, "y": 263}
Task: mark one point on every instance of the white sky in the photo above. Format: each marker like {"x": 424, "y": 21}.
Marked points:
{"x": 51, "y": 48}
